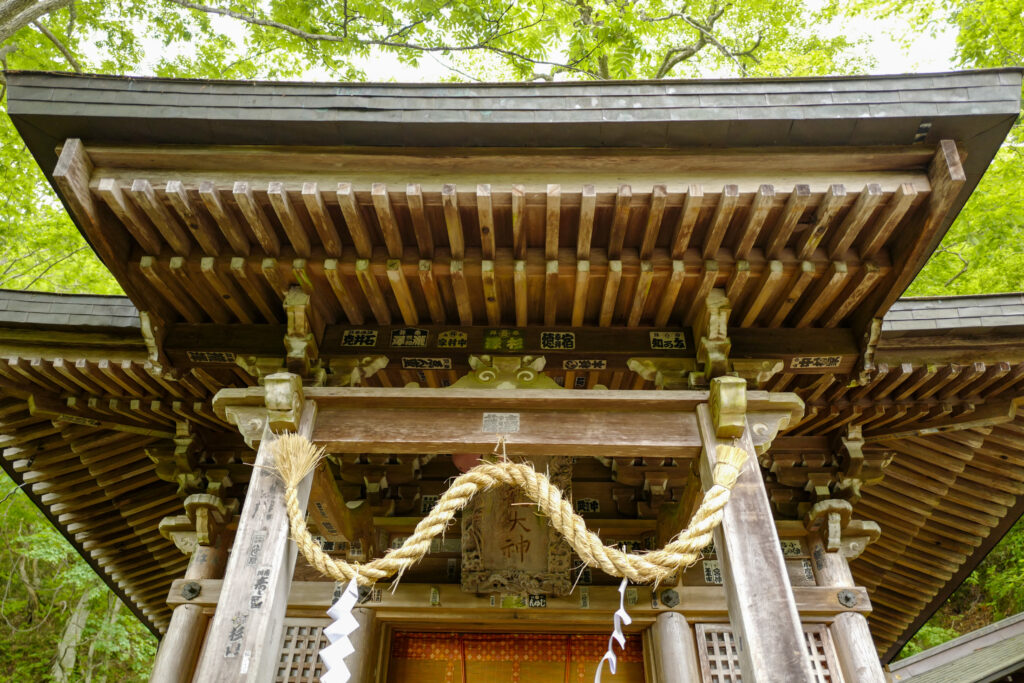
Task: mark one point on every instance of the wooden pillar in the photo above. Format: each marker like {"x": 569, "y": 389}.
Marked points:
{"x": 362, "y": 664}
{"x": 766, "y": 626}
{"x": 244, "y": 640}
{"x": 850, "y": 633}
{"x": 675, "y": 657}
{"x": 180, "y": 646}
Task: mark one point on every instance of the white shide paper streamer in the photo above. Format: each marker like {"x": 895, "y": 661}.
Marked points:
{"x": 620, "y": 619}
{"x": 338, "y": 632}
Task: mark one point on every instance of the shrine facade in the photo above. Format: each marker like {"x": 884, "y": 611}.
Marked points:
{"x": 616, "y": 284}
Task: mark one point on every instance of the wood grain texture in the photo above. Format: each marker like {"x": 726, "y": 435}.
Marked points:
{"x": 245, "y": 634}
{"x": 757, "y": 584}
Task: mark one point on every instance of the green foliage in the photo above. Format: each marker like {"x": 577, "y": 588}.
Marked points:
{"x": 930, "y": 635}
{"x": 39, "y": 246}
{"x": 486, "y": 39}
{"x": 43, "y": 579}
{"x": 983, "y": 252}
{"x": 993, "y": 591}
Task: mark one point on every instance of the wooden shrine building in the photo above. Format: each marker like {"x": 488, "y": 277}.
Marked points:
{"x": 612, "y": 277}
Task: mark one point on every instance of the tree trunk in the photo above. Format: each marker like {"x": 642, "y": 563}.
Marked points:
{"x": 64, "y": 665}
{"x": 113, "y": 609}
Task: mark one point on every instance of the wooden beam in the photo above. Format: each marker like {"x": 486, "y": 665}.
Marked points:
{"x": 225, "y": 220}
{"x": 257, "y": 219}
{"x": 919, "y": 238}
{"x": 519, "y": 222}
{"x": 552, "y": 221}
{"x": 133, "y": 219}
{"x": 855, "y": 220}
{"x": 245, "y": 636}
{"x": 289, "y": 218}
{"x": 756, "y": 215}
{"x": 490, "y": 286}
{"x": 830, "y": 204}
{"x": 485, "y": 218}
{"x": 791, "y": 214}
{"x": 453, "y": 221}
{"x": 420, "y": 224}
{"x": 655, "y": 213}
{"x": 386, "y": 219}
{"x": 720, "y": 220}
{"x": 762, "y": 609}
{"x": 406, "y": 605}
{"x": 588, "y": 205}
{"x": 371, "y": 420}
{"x": 354, "y": 221}
{"x": 322, "y": 221}
{"x": 620, "y": 221}
{"x": 692, "y": 204}
{"x": 201, "y": 227}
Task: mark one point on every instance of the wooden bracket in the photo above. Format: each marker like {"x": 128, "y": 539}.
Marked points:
{"x": 832, "y": 519}
{"x": 302, "y": 353}
{"x": 260, "y": 366}
{"x": 283, "y": 400}
{"x": 711, "y": 332}
{"x": 153, "y": 335}
{"x": 728, "y": 406}
{"x": 206, "y": 516}
{"x": 666, "y": 373}
{"x": 867, "y": 366}
{"x": 756, "y": 371}
{"x": 350, "y": 371}
{"x": 180, "y": 465}
{"x": 857, "y": 470}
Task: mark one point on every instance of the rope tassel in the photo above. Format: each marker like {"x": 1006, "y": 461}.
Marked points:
{"x": 296, "y": 457}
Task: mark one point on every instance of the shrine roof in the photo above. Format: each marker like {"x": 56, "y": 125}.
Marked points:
{"x": 608, "y": 211}
{"x": 853, "y": 110}
{"x": 78, "y": 311}
{"x": 950, "y": 312}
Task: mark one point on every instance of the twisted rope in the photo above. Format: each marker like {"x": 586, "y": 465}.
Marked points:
{"x": 296, "y": 457}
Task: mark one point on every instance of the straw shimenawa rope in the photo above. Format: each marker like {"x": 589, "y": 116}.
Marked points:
{"x": 296, "y": 457}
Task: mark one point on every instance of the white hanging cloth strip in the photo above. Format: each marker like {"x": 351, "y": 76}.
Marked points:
{"x": 338, "y": 633}
{"x": 620, "y": 619}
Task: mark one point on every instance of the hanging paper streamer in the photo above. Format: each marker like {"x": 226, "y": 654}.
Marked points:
{"x": 620, "y": 619}
{"x": 338, "y": 632}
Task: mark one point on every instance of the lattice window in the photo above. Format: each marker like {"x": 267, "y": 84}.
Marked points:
{"x": 822, "y": 653}
{"x": 301, "y": 640}
{"x": 720, "y": 662}
{"x": 718, "y": 657}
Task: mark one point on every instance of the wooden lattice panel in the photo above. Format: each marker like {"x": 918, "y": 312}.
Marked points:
{"x": 720, "y": 662}
{"x": 823, "y": 654}
{"x": 301, "y": 641}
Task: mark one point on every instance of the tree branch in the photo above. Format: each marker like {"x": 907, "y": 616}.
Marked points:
{"x": 11, "y": 24}
{"x": 60, "y": 46}
{"x": 50, "y": 267}
{"x": 963, "y": 268}
{"x": 483, "y": 45}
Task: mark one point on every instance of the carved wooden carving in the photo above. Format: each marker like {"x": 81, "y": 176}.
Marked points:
{"x": 507, "y": 547}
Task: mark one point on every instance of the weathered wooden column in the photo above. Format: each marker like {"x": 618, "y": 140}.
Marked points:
{"x": 675, "y": 654}
{"x": 200, "y": 532}
{"x": 180, "y": 646}
{"x": 362, "y": 663}
{"x": 766, "y": 626}
{"x": 833, "y": 543}
{"x": 244, "y": 640}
